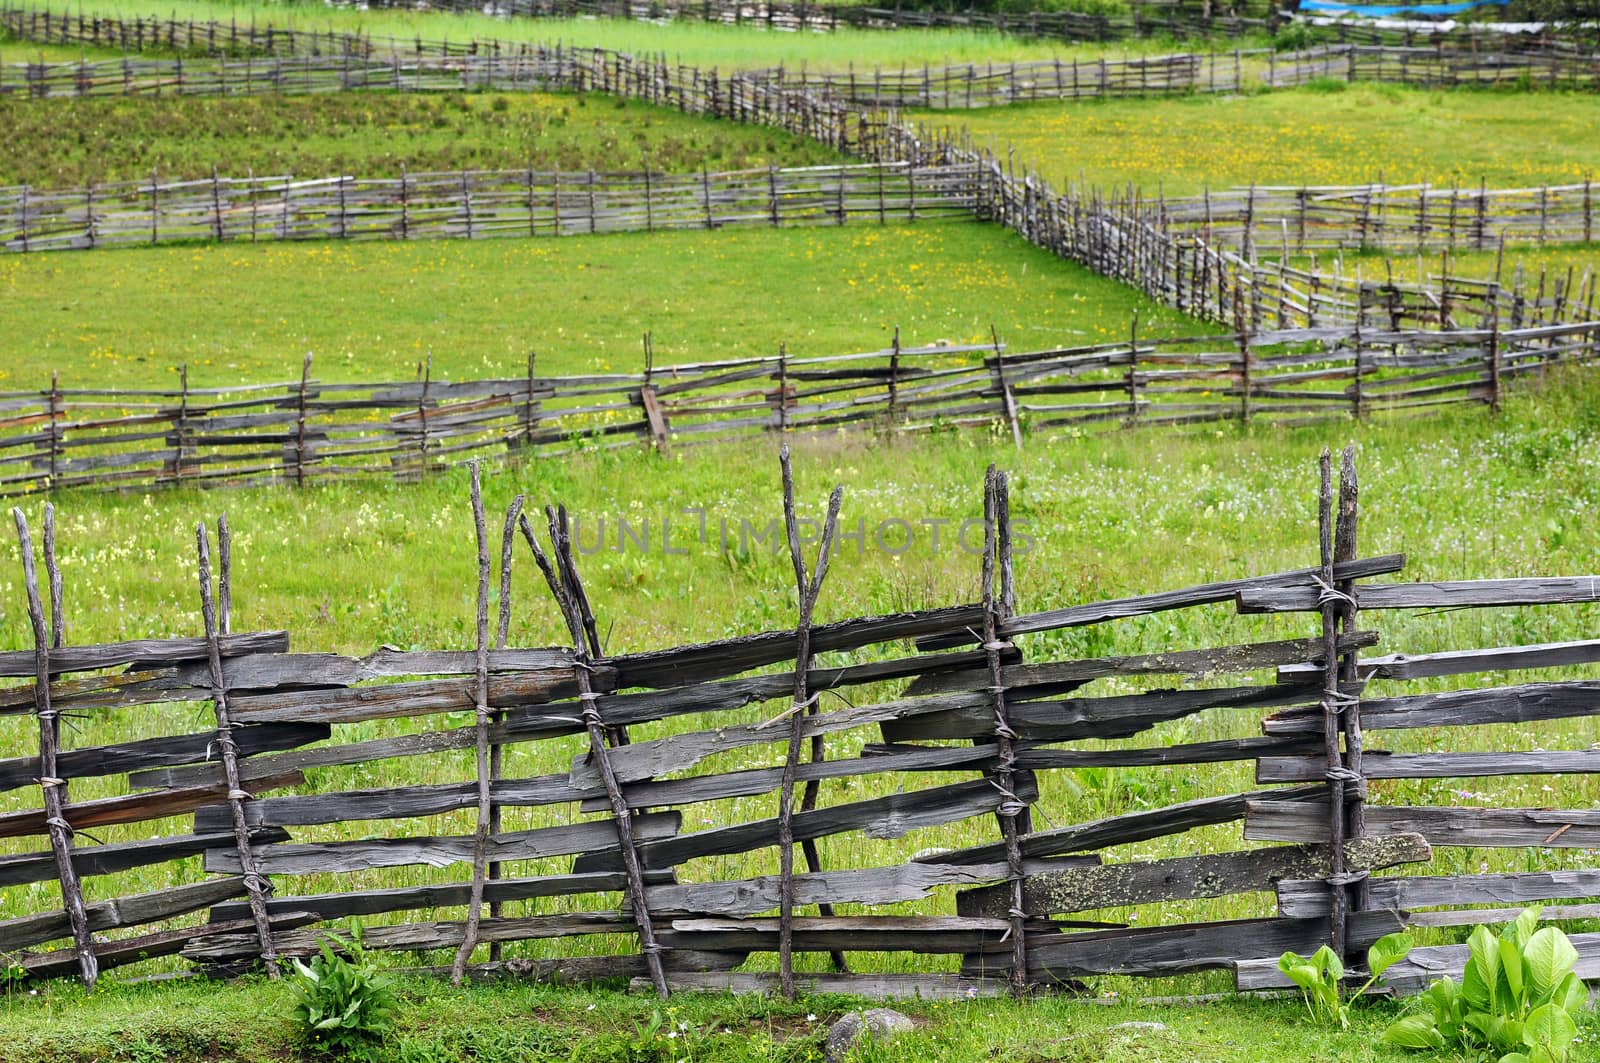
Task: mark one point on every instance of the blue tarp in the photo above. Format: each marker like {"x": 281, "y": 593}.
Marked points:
{"x": 1382, "y": 10}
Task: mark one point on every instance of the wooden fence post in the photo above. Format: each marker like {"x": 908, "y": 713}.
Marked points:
{"x": 480, "y": 841}
{"x": 257, "y": 886}
{"x": 1133, "y": 371}
{"x": 508, "y": 538}
{"x": 802, "y": 706}
{"x": 300, "y": 424}
{"x": 1334, "y": 704}
{"x": 51, "y": 784}
{"x": 1007, "y": 399}
{"x": 55, "y": 429}
{"x": 1344, "y": 549}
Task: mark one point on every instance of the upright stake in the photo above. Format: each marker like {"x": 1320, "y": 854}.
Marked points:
{"x": 50, "y": 784}
{"x": 1332, "y": 708}
{"x": 508, "y": 538}
{"x": 997, "y": 547}
{"x": 808, "y": 590}
{"x": 257, "y": 886}
{"x": 1344, "y": 549}
{"x": 574, "y": 614}
{"x": 480, "y": 840}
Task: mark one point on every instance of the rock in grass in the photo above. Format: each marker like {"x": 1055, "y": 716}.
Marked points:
{"x": 876, "y": 1024}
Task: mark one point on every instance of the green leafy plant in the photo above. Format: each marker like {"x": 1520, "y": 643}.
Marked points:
{"x": 1518, "y": 998}
{"x": 1320, "y": 975}
{"x": 342, "y": 1005}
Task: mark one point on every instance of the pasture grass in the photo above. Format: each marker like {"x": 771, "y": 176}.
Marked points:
{"x": 372, "y": 311}
{"x": 355, "y": 565}
{"x": 68, "y": 143}
{"x": 1363, "y": 134}
{"x": 510, "y": 1023}
{"x": 696, "y": 43}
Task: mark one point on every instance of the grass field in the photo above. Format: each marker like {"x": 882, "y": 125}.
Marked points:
{"x": 65, "y": 143}
{"x": 372, "y": 311}
{"x": 1359, "y": 135}
{"x": 698, "y": 43}
{"x": 520, "y": 1024}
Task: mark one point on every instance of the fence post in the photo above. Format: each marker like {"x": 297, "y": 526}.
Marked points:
{"x": 1243, "y": 334}
{"x": 1494, "y": 356}
{"x": 1133, "y": 371}
{"x": 783, "y": 387}
{"x": 55, "y": 429}
{"x": 1007, "y": 400}
{"x": 155, "y": 208}
{"x": 52, "y": 785}
{"x": 894, "y": 379}
{"x": 772, "y": 193}
{"x": 300, "y": 424}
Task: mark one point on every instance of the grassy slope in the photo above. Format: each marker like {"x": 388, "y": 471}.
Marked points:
{"x": 513, "y": 1024}
{"x": 372, "y": 311}
{"x": 70, "y": 142}
{"x": 1304, "y": 137}
{"x": 698, "y": 43}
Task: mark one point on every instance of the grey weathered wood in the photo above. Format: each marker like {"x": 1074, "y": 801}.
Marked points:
{"x": 1043, "y": 679}
{"x": 878, "y": 885}
{"x": 136, "y": 910}
{"x": 104, "y": 811}
{"x": 581, "y": 970}
{"x": 892, "y": 933}
{"x": 1380, "y": 764}
{"x": 307, "y": 858}
{"x": 1467, "y": 662}
{"x": 141, "y": 653}
{"x": 1133, "y": 826}
{"x": 149, "y": 946}
{"x": 422, "y": 697}
{"x": 890, "y": 816}
{"x": 1180, "y": 949}
{"x": 155, "y": 752}
{"x": 1187, "y": 877}
{"x": 1309, "y": 898}
{"x": 1457, "y": 708}
{"x": 421, "y": 936}
{"x": 1471, "y": 827}
{"x": 1458, "y": 594}
{"x": 120, "y": 856}
{"x": 869, "y": 985}
{"x": 1202, "y": 594}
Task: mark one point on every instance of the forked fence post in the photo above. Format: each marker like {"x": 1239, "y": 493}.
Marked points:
{"x": 257, "y": 886}
{"x": 1334, "y": 703}
{"x": 51, "y": 784}
{"x": 808, "y": 588}
{"x": 480, "y": 838}
{"x": 508, "y": 537}
{"x": 300, "y": 424}
{"x": 567, "y": 589}
{"x": 1007, "y": 399}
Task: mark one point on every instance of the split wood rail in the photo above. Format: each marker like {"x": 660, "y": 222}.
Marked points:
{"x": 944, "y": 722}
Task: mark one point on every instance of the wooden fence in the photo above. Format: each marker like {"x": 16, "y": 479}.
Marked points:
{"x": 957, "y": 729}
{"x": 477, "y": 205}
{"x": 1557, "y": 64}
{"x": 312, "y": 431}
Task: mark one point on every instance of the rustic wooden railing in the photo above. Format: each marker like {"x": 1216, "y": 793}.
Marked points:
{"x": 309, "y": 430}
{"x": 964, "y": 702}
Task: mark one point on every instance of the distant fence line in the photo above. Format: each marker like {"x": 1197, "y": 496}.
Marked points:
{"x": 478, "y": 204}
{"x": 1557, "y": 65}
{"x": 310, "y": 431}
{"x": 1126, "y": 238}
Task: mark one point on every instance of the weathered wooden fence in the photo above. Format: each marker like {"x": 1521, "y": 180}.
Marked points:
{"x": 647, "y": 733}
{"x": 1555, "y": 64}
{"x": 312, "y": 431}
{"x": 478, "y": 204}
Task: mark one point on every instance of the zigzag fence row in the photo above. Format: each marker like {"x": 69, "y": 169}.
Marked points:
{"x": 936, "y": 731}
{"x": 311, "y": 431}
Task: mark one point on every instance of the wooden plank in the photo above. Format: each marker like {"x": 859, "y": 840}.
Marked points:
{"x": 232, "y": 946}
{"x": 134, "y": 808}
{"x": 156, "y": 752}
{"x": 141, "y": 908}
{"x": 878, "y": 885}
{"x": 1043, "y": 679}
{"x": 871, "y": 986}
{"x": 1075, "y": 718}
{"x": 1457, "y": 594}
{"x": 1456, "y": 708}
{"x": 1131, "y": 827}
{"x": 144, "y": 947}
{"x": 1304, "y": 898}
{"x": 1181, "y": 949}
{"x": 887, "y": 933}
{"x": 1202, "y": 594}
{"x": 1440, "y": 825}
{"x": 329, "y": 857}
{"x": 1381, "y": 764}
{"x": 1468, "y": 662}
{"x": 120, "y": 856}
{"x": 140, "y": 652}
{"x": 1186, "y": 877}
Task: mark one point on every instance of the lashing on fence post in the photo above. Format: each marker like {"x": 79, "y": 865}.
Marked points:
{"x": 1344, "y": 549}
{"x": 257, "y": 886}
{"x": 1334, "y": 704}
{"x": 52, "y": 786}
{"x": 567, "y": 590}
{"x": 804, "y": 704}
{"x": 496, "y": 751}
{"x": 1012, "y": 812}
{"x": 480, "y": 838}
